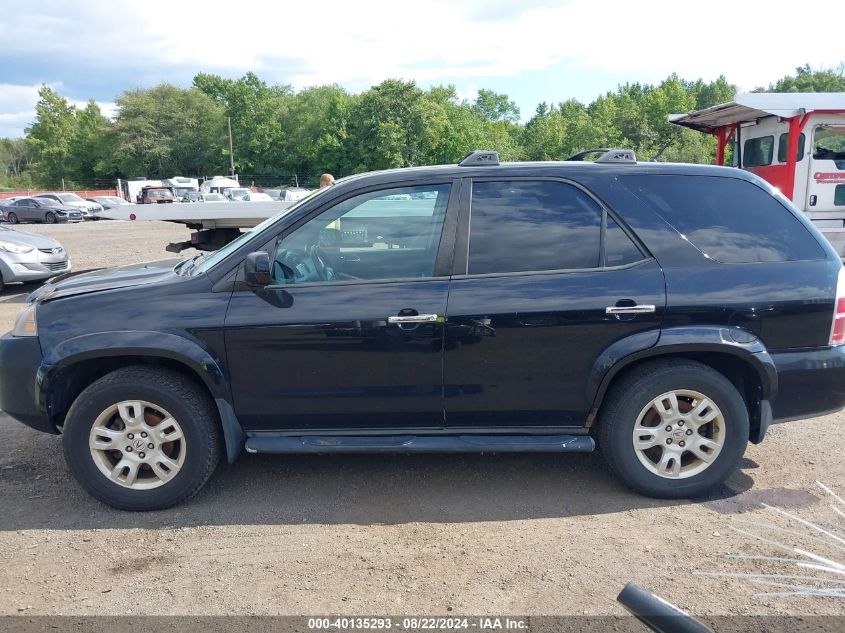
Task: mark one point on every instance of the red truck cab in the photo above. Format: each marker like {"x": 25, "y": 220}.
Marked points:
{"x": 155, "y": 195}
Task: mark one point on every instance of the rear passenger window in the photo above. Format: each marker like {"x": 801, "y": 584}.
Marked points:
{"x": 618, "y": 247}
{"x": 519, "y": 226}
{"x": 758, "y": 151}
{"x": 783, "y": 142}
{"x": 728, "y": 219}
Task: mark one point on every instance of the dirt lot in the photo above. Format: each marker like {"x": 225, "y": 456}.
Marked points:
{"x": 478, "y": 534}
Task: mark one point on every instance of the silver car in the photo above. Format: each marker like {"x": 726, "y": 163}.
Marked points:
{"x": 29, "y": 257}
{"x": 89, "y": 210}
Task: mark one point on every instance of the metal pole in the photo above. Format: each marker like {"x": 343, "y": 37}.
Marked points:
{"x": 231, "y": 149}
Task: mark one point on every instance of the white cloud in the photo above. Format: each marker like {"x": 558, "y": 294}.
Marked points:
{"x": 17, "y": 107}
{"x": 141, "y": 42}
{"x": 341, "y": 41}
{"x": 108, "y": 108}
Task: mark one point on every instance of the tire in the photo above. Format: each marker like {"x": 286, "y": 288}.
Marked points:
{"x": 662, "y": 468}
{"x": 13, "y": 218}
{"x": 174, "y": 470}
{"x": 50, "y": 218}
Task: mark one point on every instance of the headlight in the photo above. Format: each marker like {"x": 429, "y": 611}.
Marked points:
{"x": 25, "y": 323}
{"x": 9, "y": 247}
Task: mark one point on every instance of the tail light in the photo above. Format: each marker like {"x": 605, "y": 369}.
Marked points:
{"x": 837, "y": 330}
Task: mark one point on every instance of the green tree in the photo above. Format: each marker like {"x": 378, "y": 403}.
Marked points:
{"x": 808, "y": 80}
{"x": 315, "y": 129}
{"x": 495, "y": 107}
{"x": 394, "y": 124}
{"x": 51, "y": 136}
{"x": 89, "y": 152}
{"x": 257, "y": 112}
{"x": 15, "y": 157}
{"x": 164, "y": 131}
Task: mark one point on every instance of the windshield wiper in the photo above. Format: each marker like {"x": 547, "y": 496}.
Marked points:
{"x": 186, "y": 265}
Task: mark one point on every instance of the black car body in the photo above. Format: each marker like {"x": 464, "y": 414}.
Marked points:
{"x": 36, "y": 209}
{"x": 512, "y": 307}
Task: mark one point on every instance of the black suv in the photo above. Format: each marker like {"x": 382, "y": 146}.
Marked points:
{"x": 670, "y": 312}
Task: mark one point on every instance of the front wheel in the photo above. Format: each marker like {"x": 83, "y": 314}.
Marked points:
{"x": 673, "y": 429}
{"x": 142, "y": 438}
{"x": 50, "y": 218}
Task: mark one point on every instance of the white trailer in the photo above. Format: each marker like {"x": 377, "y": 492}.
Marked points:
{"x": 219, "y": 184}
{"x": 181, "y": 186}
{"x": 131, "y": 189}
{"x": 215, "y": 225}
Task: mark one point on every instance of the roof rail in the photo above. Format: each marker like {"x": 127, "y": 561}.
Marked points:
{"x": 479, "y": 157}
{"x": 608, "y": 155}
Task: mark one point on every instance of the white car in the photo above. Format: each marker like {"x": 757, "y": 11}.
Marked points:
{"x": 89, "y": 210}
{"x": 293, "y": 194}
{"x": 257, "y": 197}
{"x": 237, "y": 193}
{"x": 212, "y": 197}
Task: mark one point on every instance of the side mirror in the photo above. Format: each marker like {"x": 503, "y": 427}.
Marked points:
{"x": 257, "y": 269}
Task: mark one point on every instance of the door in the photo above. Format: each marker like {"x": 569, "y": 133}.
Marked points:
{"x": 349, "y": 335}
{"x": 548, "y": 281}
{"x": 826, "y": 185}
{"x": 27, "y": 210}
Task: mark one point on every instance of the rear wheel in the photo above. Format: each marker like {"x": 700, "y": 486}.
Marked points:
{"x": 13, "y": 218}
{"x": 142, "y": 438}
{"x": 50, "y": 217}
{"x": 673, "y": 429}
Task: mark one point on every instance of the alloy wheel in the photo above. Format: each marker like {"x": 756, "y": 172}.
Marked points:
{"x": 679, "y": 434}
{"x": 137, "y": 444}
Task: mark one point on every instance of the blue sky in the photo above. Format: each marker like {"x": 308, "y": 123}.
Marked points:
{"x": 533, "y": 50}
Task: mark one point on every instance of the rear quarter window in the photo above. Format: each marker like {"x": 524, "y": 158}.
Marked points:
{"x": 728, "y": 219}
{"x": 758, "y": 151}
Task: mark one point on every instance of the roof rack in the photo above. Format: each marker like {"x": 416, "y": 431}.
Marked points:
{"x": 479, "y": 157}
{"x": 608, "y": 155}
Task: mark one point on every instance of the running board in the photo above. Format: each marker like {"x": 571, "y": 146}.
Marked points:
{"x": 421, "y": 444}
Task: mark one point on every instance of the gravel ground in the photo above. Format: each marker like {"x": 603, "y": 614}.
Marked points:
{"x": 480, "y": 534}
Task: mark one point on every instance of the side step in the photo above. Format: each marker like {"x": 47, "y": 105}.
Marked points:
{"x": 421, "y": 444}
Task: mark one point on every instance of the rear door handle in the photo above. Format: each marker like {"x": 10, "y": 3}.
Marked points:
{"x": 635, "y": 309}
{"x": 412, "y": 318}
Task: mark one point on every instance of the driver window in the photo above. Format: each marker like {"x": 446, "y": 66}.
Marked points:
{"x": 385, "y": 234}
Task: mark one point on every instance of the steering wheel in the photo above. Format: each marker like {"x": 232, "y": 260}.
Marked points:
{"x": 323, "y": 270}
{"x": 291, "y": 266}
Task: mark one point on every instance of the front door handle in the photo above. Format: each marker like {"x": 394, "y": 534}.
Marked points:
{"x": 412, "y": 318}
{"x": 634, "y": 309}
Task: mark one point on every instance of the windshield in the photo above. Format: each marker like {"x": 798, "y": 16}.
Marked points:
{"x": 211, "y": 197}
{"x": 238, "y": 192}
{"x": 69, "y": 197}
{"x": 49, "y": 202}
{"x": 219, "y": 255}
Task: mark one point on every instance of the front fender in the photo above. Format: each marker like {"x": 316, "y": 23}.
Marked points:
{"x": 734, "y": 341}
{"x": 121, "y": 344}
